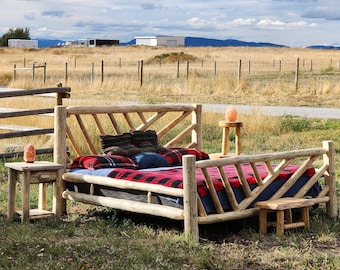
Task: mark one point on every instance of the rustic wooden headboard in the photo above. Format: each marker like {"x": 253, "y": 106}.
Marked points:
{"x": 77, "y": 128}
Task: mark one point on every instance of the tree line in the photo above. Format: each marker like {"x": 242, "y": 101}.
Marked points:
{"x": 17, "y": 33}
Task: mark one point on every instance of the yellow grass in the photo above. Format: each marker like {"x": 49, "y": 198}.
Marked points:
{"x": 265, "y": 84}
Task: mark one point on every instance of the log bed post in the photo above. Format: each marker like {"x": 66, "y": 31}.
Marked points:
{"x": 197, "y": 132}
{"x": 190, "y": 198}
{"x": 60, "y": 152}
{"x": 330, "y": 180}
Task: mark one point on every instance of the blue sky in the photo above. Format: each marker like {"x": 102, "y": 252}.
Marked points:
{"x": 295, "y": 23}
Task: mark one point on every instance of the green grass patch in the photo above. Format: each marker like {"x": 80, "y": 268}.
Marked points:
{"x": 171, "y": 58}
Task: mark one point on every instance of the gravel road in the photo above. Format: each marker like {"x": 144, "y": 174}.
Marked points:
{"x": 309, "y": 112}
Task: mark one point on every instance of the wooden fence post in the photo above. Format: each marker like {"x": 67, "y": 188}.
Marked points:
{"x": 311, "y": 66}
{"x": 102, "y": 73}
{"x": 141, "y": 72}
{"x": 249, "y": 68}
{"x": 66, "y": 75}
{"x": 33, "y": 69}
{"x": 297, "y": 74}
{"x": 187, "y": 70}
{"x": 92, "y": 72}
{"x": 15, "y": 72}
{"x": 239, "y": 71}
{"x": 177, "y": 69}
{"x": 45, "y": 73}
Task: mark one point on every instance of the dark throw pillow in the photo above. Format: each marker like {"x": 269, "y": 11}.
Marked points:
{"x": 118, "y": 145}
{"x": 149, "y": 160}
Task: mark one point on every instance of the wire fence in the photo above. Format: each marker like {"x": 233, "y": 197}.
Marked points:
{"x": 293, "y": 72}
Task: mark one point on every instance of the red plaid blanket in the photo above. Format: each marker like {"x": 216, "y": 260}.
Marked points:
{"x": 172, "y": 177}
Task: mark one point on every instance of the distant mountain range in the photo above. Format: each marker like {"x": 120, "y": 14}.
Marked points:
{"x": 194, "y": 42}
{"x": 209, "y": 42}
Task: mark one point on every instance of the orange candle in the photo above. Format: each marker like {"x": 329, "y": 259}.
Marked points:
{"x": 29, "y": 153}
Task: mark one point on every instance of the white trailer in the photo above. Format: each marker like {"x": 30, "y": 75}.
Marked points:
{"x": 166, "y": 41}
{"x": 23, "y": 43}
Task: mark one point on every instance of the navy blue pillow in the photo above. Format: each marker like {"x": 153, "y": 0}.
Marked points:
{"x": 149, "y": 160}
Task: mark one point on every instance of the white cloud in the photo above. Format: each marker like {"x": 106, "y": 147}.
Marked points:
{"x": 280, "y": 25}
{"x": 243, "y": 22}
{"x": 251, "y": 20}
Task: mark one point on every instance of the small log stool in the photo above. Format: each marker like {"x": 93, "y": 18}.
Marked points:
{"x": 225, "y": 138}
{"x": 34, "y": 173}
{"x": 284, "y": 206}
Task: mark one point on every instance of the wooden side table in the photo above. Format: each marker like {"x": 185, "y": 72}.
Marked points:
{"x": 225, "y": 138}
{"x": 34, "y": 173}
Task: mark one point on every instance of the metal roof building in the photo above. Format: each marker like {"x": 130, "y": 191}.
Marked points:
{"x": 166, "y": 41}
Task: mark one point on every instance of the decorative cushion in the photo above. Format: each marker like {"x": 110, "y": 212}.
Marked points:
{"x": 93, "y": 162}
{"x": 115, "y": 140}
{"x": 147, "y": 140}
{"x": 149, "y": 160}
{"x": 174, "y": 155}
{"x": 118, "y": 145}
{"x": 128, "y": 144}
{"x": 139, "y": 136}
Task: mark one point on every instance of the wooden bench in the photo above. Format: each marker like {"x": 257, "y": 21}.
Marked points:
{"x": 283, "y": 208}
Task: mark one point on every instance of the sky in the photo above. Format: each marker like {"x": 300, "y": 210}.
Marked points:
{"x": 294, "y": 23}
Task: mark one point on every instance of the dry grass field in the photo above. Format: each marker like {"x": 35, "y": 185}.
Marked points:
{"x": 205, "y": 74}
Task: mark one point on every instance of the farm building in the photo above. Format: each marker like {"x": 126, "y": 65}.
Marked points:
{"x": 103, "y": 42}
{"x": 91, "y": 42}
{"x": 23, "y": 43}
{"x": 167, "y": 41}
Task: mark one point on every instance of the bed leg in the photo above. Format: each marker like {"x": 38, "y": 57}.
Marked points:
{"x": 190, "y": 198}
{"x": 330, "y": 180}
{"x": 59, "y": 153}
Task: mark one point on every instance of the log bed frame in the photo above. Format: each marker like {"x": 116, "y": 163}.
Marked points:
{"x": 74, "y": 127}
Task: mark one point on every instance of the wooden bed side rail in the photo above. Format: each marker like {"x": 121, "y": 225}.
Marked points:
{"x": 327, "y": 195}
{"x": 304, "y": 158}
{"x": 121, "y": 184}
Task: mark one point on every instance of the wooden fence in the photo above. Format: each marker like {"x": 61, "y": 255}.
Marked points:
{"x": 11, "y": 131}
{"x": 292, "y": 72}
{"x": 33, "y": 68}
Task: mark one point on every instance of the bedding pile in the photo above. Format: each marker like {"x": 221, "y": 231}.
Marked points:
{"x": 138, "y": 157}
{"x": 172, "y": 177}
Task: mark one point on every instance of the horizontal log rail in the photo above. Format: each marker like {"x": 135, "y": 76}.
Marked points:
{"x": 24, "y": 92}
{"x": 10, "y": 112}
